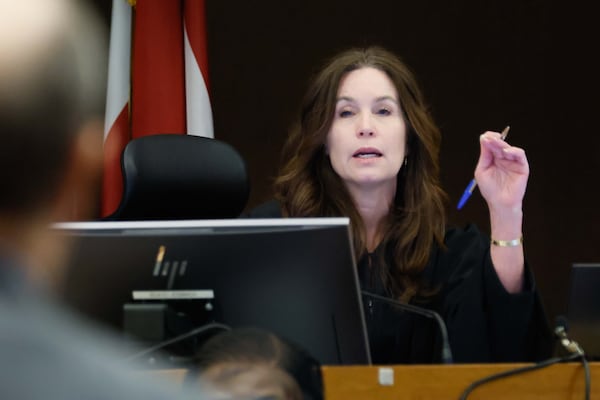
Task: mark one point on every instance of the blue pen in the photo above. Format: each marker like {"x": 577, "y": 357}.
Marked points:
{"x": 469, "y": 190}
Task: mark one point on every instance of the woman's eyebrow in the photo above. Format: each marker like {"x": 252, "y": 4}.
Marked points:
{"x": 390, "y": 98}
{"x": 380, "y": 98}
{"x": 345, "y": 98}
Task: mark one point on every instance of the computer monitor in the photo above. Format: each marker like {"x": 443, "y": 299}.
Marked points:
{"x": 295, "y": 277}
{"x": 583, "y": 310}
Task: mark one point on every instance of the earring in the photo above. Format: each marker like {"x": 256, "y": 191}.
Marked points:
{"x": 405, "y": 161}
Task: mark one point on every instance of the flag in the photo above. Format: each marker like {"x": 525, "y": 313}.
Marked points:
{"x": 163, "y": 89}
{"x": 116, "y": 122}
{"x": 199, "y": 116}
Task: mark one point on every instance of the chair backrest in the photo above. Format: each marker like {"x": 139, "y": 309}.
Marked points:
{"x": 170, "y": 176}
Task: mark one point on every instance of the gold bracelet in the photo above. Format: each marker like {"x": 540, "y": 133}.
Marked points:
{"x": 508, "y": 243}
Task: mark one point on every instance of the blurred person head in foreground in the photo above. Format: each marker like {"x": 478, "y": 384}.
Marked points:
{"x": 255, "y": 363}
{"x": 52, "y": 72}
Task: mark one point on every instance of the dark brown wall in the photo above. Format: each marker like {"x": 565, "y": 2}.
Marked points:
{"x": 482, "y": 64}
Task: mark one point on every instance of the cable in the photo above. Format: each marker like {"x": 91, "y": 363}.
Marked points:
{"x": 588, "y": 378}
{"x": 176, "y": 339}
{"x": 540, "y": 365}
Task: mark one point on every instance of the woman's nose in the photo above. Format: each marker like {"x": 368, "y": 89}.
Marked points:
{"x": 366, "y": 126}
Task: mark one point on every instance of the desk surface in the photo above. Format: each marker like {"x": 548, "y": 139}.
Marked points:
{"x": 560, "y": 381}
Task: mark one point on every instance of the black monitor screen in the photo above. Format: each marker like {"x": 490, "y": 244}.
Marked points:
{"x": 583, "y": 311}
{"x": 295, "y": 277}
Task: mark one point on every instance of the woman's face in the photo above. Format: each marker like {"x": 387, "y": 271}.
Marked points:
{"x": 367, "y": 140}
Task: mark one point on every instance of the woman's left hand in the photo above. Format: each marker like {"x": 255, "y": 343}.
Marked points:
{"x": 501, "y": 173}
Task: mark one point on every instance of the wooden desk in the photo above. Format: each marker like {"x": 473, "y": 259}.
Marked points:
{"x": 430, "y": 382}
{"x": 560, "y": 381}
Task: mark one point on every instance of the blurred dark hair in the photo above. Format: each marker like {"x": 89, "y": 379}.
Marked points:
{"x": 249, "y": 381}
{"x": 258, "y": 347}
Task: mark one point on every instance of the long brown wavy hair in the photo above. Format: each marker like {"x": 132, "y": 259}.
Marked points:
{"x": 307, "y": 185}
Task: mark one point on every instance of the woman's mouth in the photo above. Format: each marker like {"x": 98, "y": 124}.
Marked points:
{"x": 367, "y": 153}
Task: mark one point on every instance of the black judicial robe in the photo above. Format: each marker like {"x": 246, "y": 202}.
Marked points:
{"x": 485, "y": 323}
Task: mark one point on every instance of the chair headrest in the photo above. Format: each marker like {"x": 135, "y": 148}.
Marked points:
{"x": 170, "y": 176}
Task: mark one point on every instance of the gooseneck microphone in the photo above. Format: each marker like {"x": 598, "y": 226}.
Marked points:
{"x": 575, "y": 353}
{"x": 573, "y": 348}
{"x": 560, "y": 330}
{"x": 446, "y": 352}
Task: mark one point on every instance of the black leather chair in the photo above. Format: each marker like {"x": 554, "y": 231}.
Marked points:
{"x": 169, "y": 176}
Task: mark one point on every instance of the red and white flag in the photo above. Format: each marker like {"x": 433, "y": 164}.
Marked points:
{"x": 116, "y": 122}
{"x": 157, "y": 83}
{"x": 199, "y": 115}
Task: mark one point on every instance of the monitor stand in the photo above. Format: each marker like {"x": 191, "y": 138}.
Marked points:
{"x": 164, "y": 331}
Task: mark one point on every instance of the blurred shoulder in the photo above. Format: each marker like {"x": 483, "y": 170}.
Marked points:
{"x": 54, "y": 354}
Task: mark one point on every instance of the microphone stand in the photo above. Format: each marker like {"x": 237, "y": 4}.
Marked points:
{"x": 446, "y": 352}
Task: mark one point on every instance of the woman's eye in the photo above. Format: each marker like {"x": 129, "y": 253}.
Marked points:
{"x": 383, "y": 111}
{"x": 345, "y": 113}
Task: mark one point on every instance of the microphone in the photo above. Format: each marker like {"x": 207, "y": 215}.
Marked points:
{"x": 560, "y": 330}
{"x": 575, "y": 352}
{"x": 446, "y": 352}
